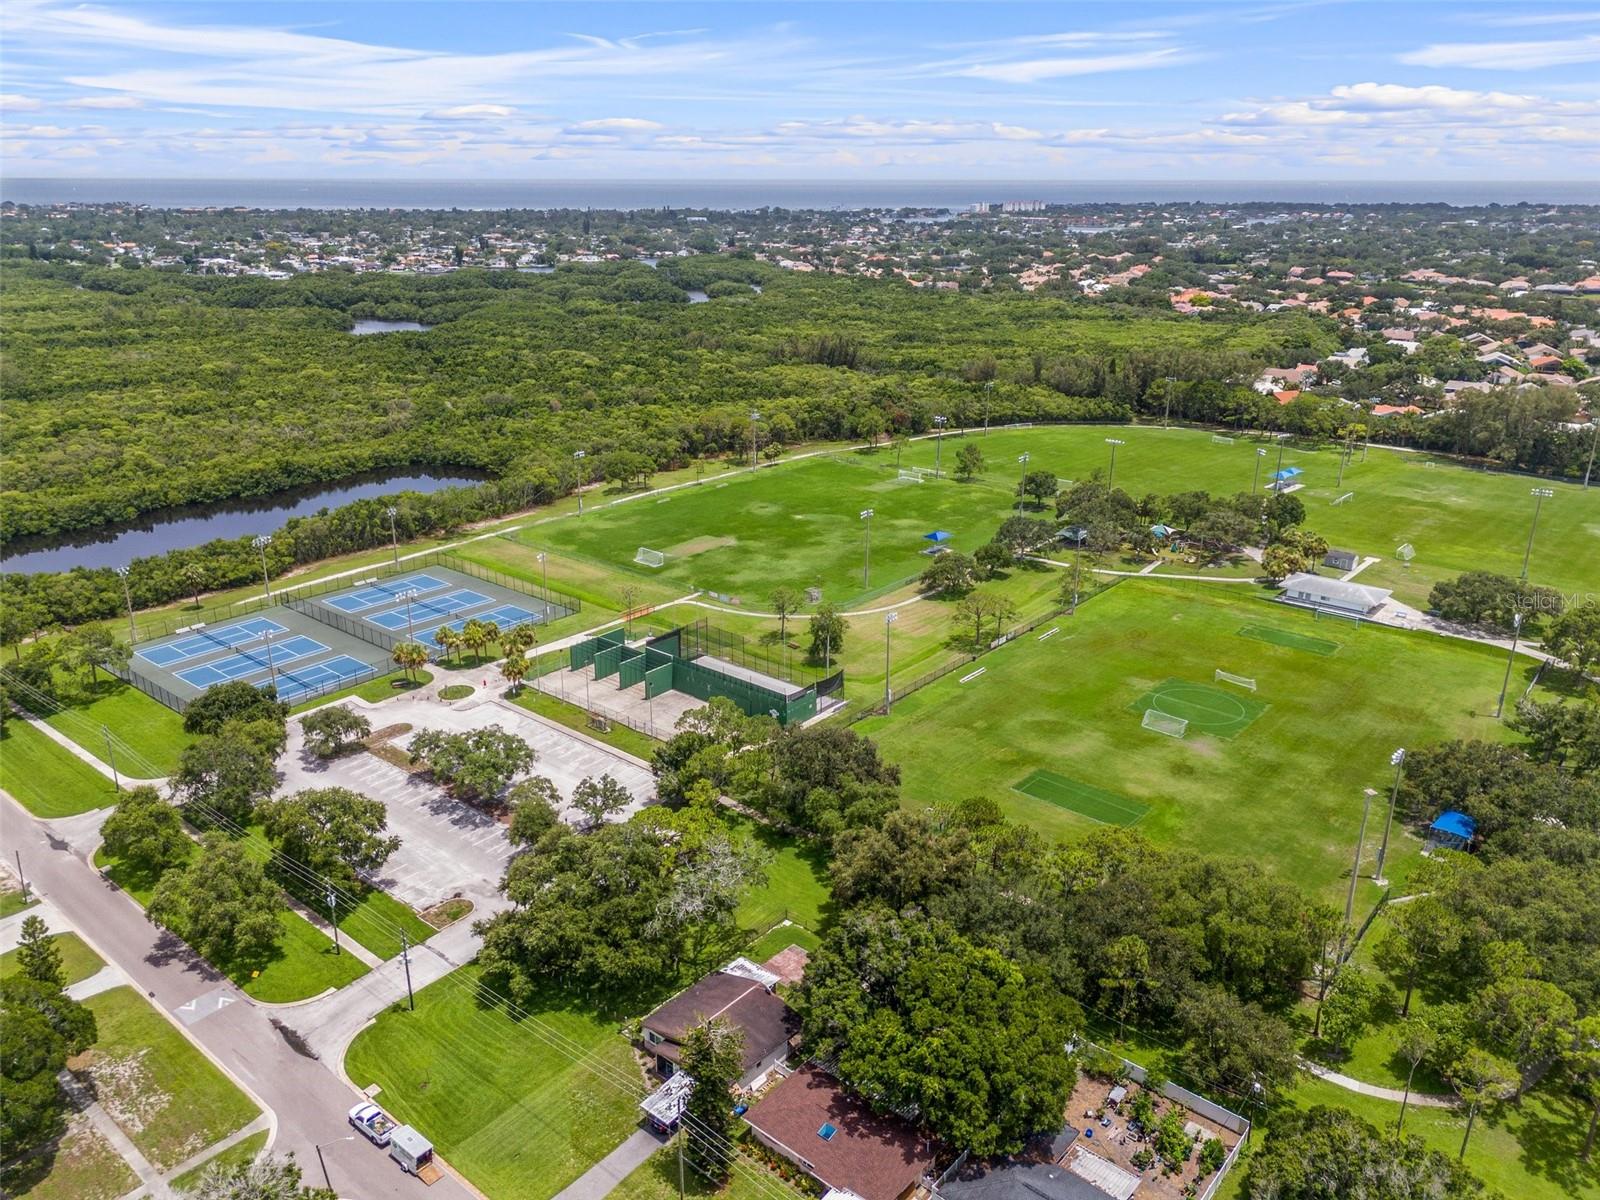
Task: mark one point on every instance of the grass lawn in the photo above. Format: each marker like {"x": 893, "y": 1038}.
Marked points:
{"x": 1286, "y": 791}
{"x": 797, "y": 881}
{"x": 238, "y": 1154}
{"x": 512, "y": 1109}
{"x": 166, "y": 1096}
{"x": 394, "y": 684}
{"x": 46, "y": 778}
{"x": 81, "y": 1166}
{"x": 1458, "y": 518}
{"x": 77, "y": 960}
{"x": 146, "y": 726}
{"x": 573, "y": 716}
{"x": 303, "y": 964}
{"x": 13, "y": 901}
{"x": 657, "y": 1179}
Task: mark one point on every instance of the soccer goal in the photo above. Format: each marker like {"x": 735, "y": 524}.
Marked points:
{"x": 910, "y": 477}
{"x": 1342, "y": 499}
{"x": 650, "y": 558}
{"x": 1162, "y": 723}
{"x": 1328, "y": 614}
{"x": 1221, "y": 439}
{"x": 1237, "y": 680}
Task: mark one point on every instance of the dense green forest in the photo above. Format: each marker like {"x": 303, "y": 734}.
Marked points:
{"x": 129, "y": 391}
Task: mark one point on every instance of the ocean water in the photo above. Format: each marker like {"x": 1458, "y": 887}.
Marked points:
{"x": 735, "y": 195}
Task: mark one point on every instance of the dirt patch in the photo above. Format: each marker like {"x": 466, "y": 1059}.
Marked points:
{"x": 387, "y": 734}
{"x": 125, "y": 1089}
{"x": 447, "y": 912}
{"x": 699, "y": 545}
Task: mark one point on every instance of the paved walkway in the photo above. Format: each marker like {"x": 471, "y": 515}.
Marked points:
{"x": 1419, "y": 1099}
{"x": 597, "y": 1182}
{"x": 84, "y": 1100}
{"x": 261, "y": 1124}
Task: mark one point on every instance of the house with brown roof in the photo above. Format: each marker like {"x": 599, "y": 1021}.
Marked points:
{"x": 741, "y": 993}
{"x": 836, "y": 1138}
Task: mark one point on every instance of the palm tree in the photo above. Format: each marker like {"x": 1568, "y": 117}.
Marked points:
{"x": 409, "y": 656}
{"x": 194, "y": 578}
{"x": 491, "y": 634}
{"x": 522, "y": 639}
{"x": 474, "y": 637}
{"x": 513, "y": 669}
{"x": 449, "y": 640}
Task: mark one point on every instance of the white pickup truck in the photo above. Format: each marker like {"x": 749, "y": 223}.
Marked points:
{"x": 373, "y": 1123}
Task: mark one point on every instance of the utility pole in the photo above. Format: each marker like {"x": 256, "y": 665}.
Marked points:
{"x": 1540, "y": 495}
{"x": 111, "y": 753}
{"x": 394, "y": 537}
{"x": 682, "y": 1133}
{"x": 127, "y": 595}
{"x": 261, "y": 541}
{"x": 1023, "y": 476}
{"x": 333, "y": 919}
{"x": 21, "y": 878}
{"x": 1255, "y": 479}
{"x": 866, "y": 565}
{"x": 889, "y": 618}
{"x": 1113, "y": 443}
{"x": 1166, "y": 413}
{"x": 1355, "y": 871}
{"x": 578, "y": 457}
{"x": 1516, "y": 629}
{"x": 405, "y": 958}
{"x": 1594, "y": 443}
{"x": 1398, "y": 758}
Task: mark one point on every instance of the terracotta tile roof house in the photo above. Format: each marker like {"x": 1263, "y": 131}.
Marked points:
{"x": 838, "y": 1140}
{"x": 745, "y": 1000}
{"x": 1285, "y": 397}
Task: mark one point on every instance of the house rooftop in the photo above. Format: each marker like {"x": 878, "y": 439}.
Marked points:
{"x": 837, "y": 1138}
{"x": 743, "y": 1002}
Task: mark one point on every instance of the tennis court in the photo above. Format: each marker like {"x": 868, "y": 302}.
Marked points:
{"x": 506, "y": 617}
{"x": 1289, "y": 639}
{"x": 1207, "y": 709}
{"x": 243, "y": 664}
{"x": 200, "y": 643}
{"x": 376, "y": 594}
{"x": 421, "y": 612}
{"x": 1084, "y": 799}
{"x": 319, "y": 677}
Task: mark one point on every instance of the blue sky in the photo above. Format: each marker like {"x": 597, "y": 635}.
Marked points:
{"x": 1113, "y": 90}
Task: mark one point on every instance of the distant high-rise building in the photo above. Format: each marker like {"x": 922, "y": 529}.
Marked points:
{"x": 1022, "y": 206}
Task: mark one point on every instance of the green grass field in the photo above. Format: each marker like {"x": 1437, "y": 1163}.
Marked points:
{"x": 146, "y": 726}
{"x": 657, "y": 1179}
{"x": 83, "y": 1165}
{"x": 304, "y": 964}
{"x": 1205, "y": 708}
{"x": 1097, "y": 804}
{"x": 167, "y": 1096}
{"x": 1458, "y": 518}
{"x": 78, "y": 962}
{"x": 1286, "y": 791}
{"x": 241, "y": 1152}
{"x": 521, "y": 1108}
{"x": 47, "y": 779}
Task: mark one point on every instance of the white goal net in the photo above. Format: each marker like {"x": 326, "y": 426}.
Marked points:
{"x": 1162, "y": 723}
{"x": 910, "y": 477}
{"x": 650, "y": 558}
{"x": 1237, "y": 680}
{"x": 1220, "y": 439}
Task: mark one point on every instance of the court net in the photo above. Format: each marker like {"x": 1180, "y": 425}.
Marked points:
{"x": 1160, "y": 722}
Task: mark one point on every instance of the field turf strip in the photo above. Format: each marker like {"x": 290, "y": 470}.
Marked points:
{"x": 1082, "y": 798}
{"x": 1293, "y": 641}
{"x": 1207, "y": 709}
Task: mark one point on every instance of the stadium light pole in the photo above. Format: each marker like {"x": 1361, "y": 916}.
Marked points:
{"x": 133, "y": 634}
{"x": 1540, "y": 495}
{"x": 938, "y": 447}
{"x": 1166, "y": 412}
{"x": 754, "y": 417}
{"x": 578, "y": 456}
{"x": 1277, "y": 474}
{"x": 261, "y": 541}
{"x": 866, "y": 562}
{"x": 272, "y": 672}
{"x": 1355, "y": 871}
{"x": 1255, "y": 479}
{"x": 1398, "y": 758}
{"x": 394, "y": 536}
{"x": 1113, "y": 443}
{"x": 411, "y": 632}
{"x": 544, "y": 567}
{"x": 1022, "y": 478}
{"x": 1516, "y": 629}
{"x": 889, "y": 618}
{"x": 988, "y": 394}
{"x": 1594, "y": 444}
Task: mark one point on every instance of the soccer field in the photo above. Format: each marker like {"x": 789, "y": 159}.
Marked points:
{"x": 1279, "y": 780}
{"x": 1457, "y": 518}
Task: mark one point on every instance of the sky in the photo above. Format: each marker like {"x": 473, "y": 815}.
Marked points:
{"x": 417, "y": 89}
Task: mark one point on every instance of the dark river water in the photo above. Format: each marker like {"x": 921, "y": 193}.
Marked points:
{"x": 192, "y": 525}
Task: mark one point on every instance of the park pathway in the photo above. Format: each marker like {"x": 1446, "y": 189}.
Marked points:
{"x": 1419, "y": 1099}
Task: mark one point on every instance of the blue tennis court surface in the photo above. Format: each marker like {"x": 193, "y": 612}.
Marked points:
{"x": 319, "y": 677}
{"x": 507, "y": 617}
{"x": 243, "y": 665}
{"x": 424, "y": 610}
{"x": 198, "y": 645}
{"x": 376, "y": 595}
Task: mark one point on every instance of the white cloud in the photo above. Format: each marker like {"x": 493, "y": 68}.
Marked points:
{"x": 108, "y": 102}
{"x": 621, "y": 124}
{"x": 1035, "y": 70}
{"x": 1507, "y": 56}
{"x": 15, "y": 102}
{"x": 473, "y": 112}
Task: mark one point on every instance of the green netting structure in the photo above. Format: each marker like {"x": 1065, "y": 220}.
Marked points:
{"x": 607, "y": 661}
{"x": 631, "y": 668}
{"x": 582, "y": 653}
{"x": 658, "y": 680}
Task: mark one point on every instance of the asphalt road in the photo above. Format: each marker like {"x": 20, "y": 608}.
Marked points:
{"x": 308, "y": 1100}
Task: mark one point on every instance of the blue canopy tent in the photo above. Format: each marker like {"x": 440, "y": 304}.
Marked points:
{"x": 937, "y": 536}
{"x": 1453, "y": 830}
{"x": 1286, "y": 474}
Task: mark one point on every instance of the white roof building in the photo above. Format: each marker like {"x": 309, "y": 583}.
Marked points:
{"x": 1315, "y": 591}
